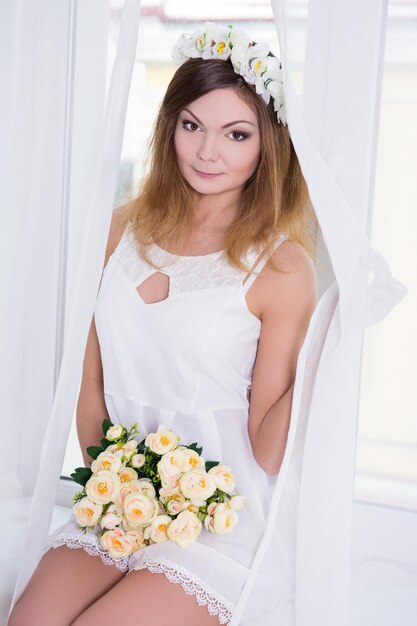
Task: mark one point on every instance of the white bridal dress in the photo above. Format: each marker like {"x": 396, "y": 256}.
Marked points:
{"x": 186, "y": 361}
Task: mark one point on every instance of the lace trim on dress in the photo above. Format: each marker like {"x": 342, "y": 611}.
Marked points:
{"x": 89, "y": 544}
{"x": 186, "y": 273}
{"x": 192, "y": 585}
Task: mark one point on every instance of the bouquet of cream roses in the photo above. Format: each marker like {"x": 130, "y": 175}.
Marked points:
{"x": 152, "y": 491}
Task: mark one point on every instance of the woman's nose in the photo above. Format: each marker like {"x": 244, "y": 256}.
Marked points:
{"x": 208, "y": 149}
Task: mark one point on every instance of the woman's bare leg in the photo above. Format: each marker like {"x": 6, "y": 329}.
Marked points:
{"x": 144, "y": 598}
{"x": 65, "y": 583}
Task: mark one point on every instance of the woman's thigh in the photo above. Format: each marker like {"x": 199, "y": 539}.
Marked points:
{"x": 144, "y": 598}
{"x": 64, "y": 584}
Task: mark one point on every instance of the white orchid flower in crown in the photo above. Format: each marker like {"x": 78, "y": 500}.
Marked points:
{"x": 272, "y": 70}
{"x": 184, "y": 48}
{"x": 268, "y": 81}
{"x": 221, "y": 48}
{"x": 256, "y": 62}
{"x": 281, "y": 113}
{"x": 273, "y": 78}
{"x": 204, "y": 37}
{"x": 276, "y": 89}
{"x": 240, "y": 42}
{"x": 262, "y": 90}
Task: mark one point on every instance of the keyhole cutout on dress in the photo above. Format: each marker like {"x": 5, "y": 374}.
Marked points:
{"x": 154, "y": 288}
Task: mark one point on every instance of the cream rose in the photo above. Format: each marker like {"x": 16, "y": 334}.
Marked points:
{"x": 87, "y": 512}
{"x": 127, "y": 474}
{"x": 192, "y": 460}
{"x": 223, "y": 478}
{"x": 184, "y": 529}
{"x": 169, "y": 491}
{"x": 111, "y": 518}
{"x": 137, "y": 536}
{"x": 112, "y": 448}
{"x": 190, "y": 507}
{"x": 103, "y": 487}
{"x": 237, "y": 502}
{"x": 162, "y": 441}
{"x": 170, "y": 467}
{"x": 142, "y": 485}
{"x": 145, "y": 486}
{"x": 212, "y": 507}
{"x": 224, "y": 519}
{"x": 172, "y": 486}
{"x": 157, "y": 530}
{"x": 176, "y": 503}
{"x": 126, "y": 488}
{"x": 126, "y": 450}
{"x": 208, "y": 523}
{"x": 114, "y": 432}
{"x": 117, "y": 543}
{"x": 106, "y": 461}
{"x": 127, "y": 526}
{"x": 197, "y": 485}
{"x": 139, "y": 509}
{"x": 132, "y": 444}
{"x": 138, "y": 460}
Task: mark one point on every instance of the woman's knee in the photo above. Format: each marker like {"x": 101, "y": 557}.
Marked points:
{"x": 19, "y": 616}
{"x": 26, "y": 612}
{"x": 56, "y": 600}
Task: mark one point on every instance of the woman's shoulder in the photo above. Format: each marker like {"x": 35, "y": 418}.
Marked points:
{"x": 293, "y": 257}
{"x": 296, "y": 286}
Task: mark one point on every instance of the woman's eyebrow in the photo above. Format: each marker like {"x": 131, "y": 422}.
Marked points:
{"x": 226, "y": 125}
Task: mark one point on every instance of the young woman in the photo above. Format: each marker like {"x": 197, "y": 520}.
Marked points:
{"x": 206, "y": 296}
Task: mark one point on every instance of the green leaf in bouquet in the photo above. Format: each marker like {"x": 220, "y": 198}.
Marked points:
{"x": 133, "y": 430}
{"x": 78, "y": 496}
{"x": 105, "y": 443}
{"x": 195, "y": 447}
{"x": 210, "y": 464}
{"x": 106, "y": 424}
{"x": 94, "y": 451}
{"x": 81, "y": 475}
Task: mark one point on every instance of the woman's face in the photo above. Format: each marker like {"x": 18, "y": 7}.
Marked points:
{"x": 217, "y": 134}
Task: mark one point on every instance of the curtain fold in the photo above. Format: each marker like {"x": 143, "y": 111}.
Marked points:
{"x": 35, "y": 42}
{"x": 98, "y": 216}
{"x": 333, "y": 123}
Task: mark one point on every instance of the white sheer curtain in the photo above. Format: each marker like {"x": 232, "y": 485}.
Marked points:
{"x": 33, "y": 131}
{"x": 39, "y": 116}
{"x": 99, "y": 205}
{"x": 333, "y": 121}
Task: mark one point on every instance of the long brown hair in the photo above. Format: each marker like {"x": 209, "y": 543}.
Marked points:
{"x": 274, "y": 199}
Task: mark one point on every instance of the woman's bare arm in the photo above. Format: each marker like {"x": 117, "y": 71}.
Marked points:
{"x": 288, "y": 301}
{"x": 91, "y": 407}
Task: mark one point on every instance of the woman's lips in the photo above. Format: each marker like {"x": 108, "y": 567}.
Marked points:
{"x": 205, "y": 175}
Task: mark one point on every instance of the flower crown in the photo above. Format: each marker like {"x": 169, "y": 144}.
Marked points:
{"x": 248, "y": 59}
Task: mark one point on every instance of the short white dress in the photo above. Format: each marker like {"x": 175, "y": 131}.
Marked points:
{"x": 186, "y": 362}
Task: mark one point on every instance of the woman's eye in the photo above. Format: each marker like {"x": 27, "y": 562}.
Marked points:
{"x": 187, "y": 122}
{"x": 241, "y": 137}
